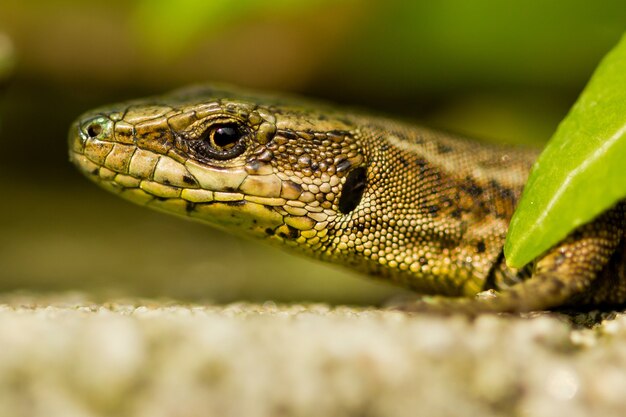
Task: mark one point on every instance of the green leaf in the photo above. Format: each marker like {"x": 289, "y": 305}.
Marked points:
{"x": 581, "y": 172}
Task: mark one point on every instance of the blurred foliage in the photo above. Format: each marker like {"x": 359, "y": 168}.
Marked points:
{"x": 405, "y": 46}
{"x": 451, "y": 44}
{"x": 353, "y": 50}
{"x": 167, "y": 28}
{"x": 7, "y": 57}
{"x": 580, "y": 173}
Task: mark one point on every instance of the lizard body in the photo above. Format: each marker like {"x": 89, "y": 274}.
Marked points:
{"x": 426, "y": 210}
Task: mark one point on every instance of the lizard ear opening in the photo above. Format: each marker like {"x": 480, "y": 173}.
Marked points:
{"x": 352, "y": 190}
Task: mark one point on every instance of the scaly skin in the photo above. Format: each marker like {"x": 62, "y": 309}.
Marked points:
{"x": 426, "y": 210}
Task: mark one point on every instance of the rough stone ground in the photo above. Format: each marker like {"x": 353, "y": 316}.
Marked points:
{"x": 66, "y": 356}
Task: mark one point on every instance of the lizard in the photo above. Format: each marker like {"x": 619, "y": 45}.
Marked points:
{"x": 426, "y": 210}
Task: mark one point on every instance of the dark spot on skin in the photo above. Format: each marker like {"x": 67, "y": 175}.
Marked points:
{"x": 269, "y": 231}
{"x": 190, "y": 207}
{"x": 508, "y": 194}
{"x": 422, "y": 164}
{"x": 474, "y": 190}
{"x": 229, "y": 189}
{"x": 403, "y": 161}
{"x": 292, "y": 233}
{"x": 471, "y": 188}
{"x": 94, "y": 172}
{"x": 161, "y": 198}
{"x": 322, "y": 117}
{"x": 158, "y": 134}
{"x": 343, "y": 165}
{"x": 443, "y": 148}
{"x": 227, "y": 203}
{"x": 352, "y": 190}
{"x": 384, "y": 147}
{"x": 166, "y": 181}
{"x": 456, "y": 213}
{"x": 188, "y": 180}
{"x": 234, "y": 203}
{"x": 288, "y": 134}
{"x": 480, "y": 247}
{"x": 485, "y": 206}
{"x": 433, "y": 209}
{"x": 504, "y": 192}
{"x": 315, "y": 166}
{"x": 360, "y": 227}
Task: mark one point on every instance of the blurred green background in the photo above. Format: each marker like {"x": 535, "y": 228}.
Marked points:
{"x": 505, "y": 71}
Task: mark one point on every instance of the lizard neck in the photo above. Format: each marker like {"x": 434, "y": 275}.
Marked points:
{"x": 436, "y": 211}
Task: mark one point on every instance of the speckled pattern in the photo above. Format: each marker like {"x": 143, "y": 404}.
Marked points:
{"x": 66, "y": 356}
{"x": 426, "y": 210}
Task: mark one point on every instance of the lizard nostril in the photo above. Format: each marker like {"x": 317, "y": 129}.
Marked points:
{"x": 94, "y": 129}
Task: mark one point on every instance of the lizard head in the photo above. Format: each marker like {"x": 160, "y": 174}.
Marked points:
{"x": 246, "y": 163}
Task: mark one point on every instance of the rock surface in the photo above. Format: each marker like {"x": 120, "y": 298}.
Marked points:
{"x": 67, "y": 356}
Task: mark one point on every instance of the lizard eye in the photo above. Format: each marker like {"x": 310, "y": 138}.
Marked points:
{"x": 224, "y": 137}
{"x": 221, "y": 141}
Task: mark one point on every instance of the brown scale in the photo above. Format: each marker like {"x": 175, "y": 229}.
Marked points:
{"x": 424, "y": 209}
